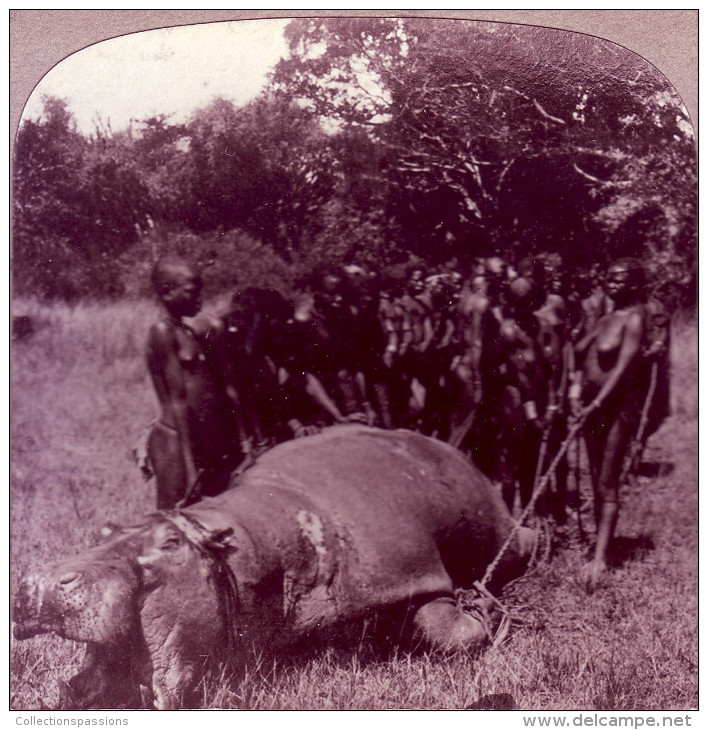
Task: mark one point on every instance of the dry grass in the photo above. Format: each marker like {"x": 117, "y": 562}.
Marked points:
{"x": 81, "y": 394}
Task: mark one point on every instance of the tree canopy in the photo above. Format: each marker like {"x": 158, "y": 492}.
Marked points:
{"x": 377, "y": 138}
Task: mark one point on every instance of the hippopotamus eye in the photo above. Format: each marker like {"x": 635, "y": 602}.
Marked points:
{"x": 171, "y": 543}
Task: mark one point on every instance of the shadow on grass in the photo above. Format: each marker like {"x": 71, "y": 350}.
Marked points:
{"x": 654, "y": 469}
{"x": 499, "y": 701}
{"x": 630, "y": 549}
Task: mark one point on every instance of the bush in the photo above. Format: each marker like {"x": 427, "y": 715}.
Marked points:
{"x": 229, "y": 260}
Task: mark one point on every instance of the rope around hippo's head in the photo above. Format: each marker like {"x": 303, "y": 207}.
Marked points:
{"x": 213, "y": 551}
{"x": 538, "y": 491}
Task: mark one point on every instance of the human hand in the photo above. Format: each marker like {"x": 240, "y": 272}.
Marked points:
{"x": 300, "y": 430}
{"x": 550, "y": 415}
{"x": 356, "y": 417}
{"x": 576, "y": 406}
{"x": 371, "y": 416}
{"x": 590, "y": 408}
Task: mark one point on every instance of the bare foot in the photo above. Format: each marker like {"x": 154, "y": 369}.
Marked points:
{"x": 591, "y": 574}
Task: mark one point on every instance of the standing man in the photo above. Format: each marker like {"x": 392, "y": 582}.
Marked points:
{"x": 194, "y": 445}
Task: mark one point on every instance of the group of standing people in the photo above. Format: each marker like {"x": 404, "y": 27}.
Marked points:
{"x": 501, "y": 362}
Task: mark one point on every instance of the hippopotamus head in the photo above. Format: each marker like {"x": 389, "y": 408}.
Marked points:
{"x": 144, "y": 601}
{"x": 89, "y": 598}
{"x": 92, "y": 598}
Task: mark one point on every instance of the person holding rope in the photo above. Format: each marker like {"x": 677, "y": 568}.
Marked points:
{"x": 608, "y": 392}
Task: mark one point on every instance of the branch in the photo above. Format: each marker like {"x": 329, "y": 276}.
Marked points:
{"x": 603, "y": 183}
{"x": 538, "y": 107}
{"x": 546, "y": 115}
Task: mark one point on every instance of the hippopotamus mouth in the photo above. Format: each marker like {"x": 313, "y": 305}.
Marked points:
{"x": 28, "y": 629}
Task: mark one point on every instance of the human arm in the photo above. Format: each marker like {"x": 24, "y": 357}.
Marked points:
{"x": 388, "y": 324}
{"x": 317, "y": 392}
{"x": 629, "y": 349}
{"x": 169, "y": 381}
{"x": 518, "y": 355}
{"x": 407, "y": 334}
{"x": 242, "y": 413}
{"x": 468, "y": 367}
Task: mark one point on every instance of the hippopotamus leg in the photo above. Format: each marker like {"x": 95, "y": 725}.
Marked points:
{"x": 106, "y": 681}
{"x": 442, "y": 624}
{"x": 180, "y": 617}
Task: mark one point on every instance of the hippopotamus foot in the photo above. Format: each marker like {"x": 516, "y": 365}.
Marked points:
{"x": 442, "y": 624}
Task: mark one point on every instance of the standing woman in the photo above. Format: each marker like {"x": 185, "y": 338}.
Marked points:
{"x": 609, "y": 389}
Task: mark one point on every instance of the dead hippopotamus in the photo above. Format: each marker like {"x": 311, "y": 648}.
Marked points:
{"x": 320, "y": 532}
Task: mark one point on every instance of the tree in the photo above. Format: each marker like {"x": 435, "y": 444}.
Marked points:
{"x": 77, "y": 204}
{"x": 265, "y": 168}
{"x": 495, "y": 136}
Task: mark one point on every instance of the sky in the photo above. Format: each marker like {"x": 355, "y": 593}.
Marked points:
{"x": 169, "y": 71}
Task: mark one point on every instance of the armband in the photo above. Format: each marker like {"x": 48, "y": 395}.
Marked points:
{"x": 575, "y": 391}
{"x": 391, "y": 348}
{"x": 530, "y": 410}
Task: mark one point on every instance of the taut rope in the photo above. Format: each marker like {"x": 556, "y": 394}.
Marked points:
{"x": 540, "y": 487}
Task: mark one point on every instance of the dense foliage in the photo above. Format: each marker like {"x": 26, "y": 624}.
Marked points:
{"x": 376, "y": 138}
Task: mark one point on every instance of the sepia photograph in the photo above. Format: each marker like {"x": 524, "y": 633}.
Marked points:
{"x": 353, "y": 366}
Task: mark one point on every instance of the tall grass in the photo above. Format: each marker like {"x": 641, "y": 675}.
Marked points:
{"x": 80, "y": 396}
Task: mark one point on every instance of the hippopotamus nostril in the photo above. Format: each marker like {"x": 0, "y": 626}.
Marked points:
{"x": 68, "y": 578}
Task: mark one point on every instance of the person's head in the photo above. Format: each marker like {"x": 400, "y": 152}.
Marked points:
{"x": 494, "y": 272}
{"x": 416, "y": 279}
{"x": 179, "y": 286}
{"x": 625, "y": 280}
{"x": 495, "y": 267}
{"x": 393, "y": 280}
{"x": 533, "y": 270}
{"x": 329, "y": 286}
{"x": 524, "y": 297}
{"x": 558, "y": 282}
{"x": 479, "y": 285}
{"x": 456, "y": 281}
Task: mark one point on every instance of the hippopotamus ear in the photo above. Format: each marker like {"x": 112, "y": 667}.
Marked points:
{"x": 221, "y": 541}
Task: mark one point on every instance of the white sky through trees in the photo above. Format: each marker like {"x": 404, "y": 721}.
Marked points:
{"x": 171, "y": 71}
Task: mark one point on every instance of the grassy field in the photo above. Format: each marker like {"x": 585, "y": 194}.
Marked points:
{"x": 81, "y": 395}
